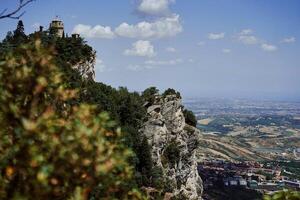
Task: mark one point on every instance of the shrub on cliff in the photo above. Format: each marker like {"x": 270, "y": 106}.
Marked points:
{"x": 172, "y": 152}
{"x": 171, "y": 91}
{"x": 50, "y": 148}
{"x": 190, "y": 117}
{"x": 148, "y": 95}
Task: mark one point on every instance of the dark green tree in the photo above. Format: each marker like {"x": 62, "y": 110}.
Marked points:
{"x": 20, "y": 31}
{"x": 172, "y": 152}
{"x": 190, "y": 117}
{"x": 149, "y": 94}
{"x": 145, "y": 162}
{"x": 9, "y": 36}
{"x": 19, "y": 36}
{"x": 171, "y": 91}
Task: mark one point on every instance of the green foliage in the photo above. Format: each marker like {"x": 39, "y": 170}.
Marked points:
{"x": 190, "y": 117}
{"x": 284, "y": 195}
{"x": 20, "y": 31}
{"x": 69, "y": 51}
{"x": 157, "y": 177}
{"x": 148, "y": 94}
{"x": 49, "y": 147}
{"x": 171, "y": 91}
{"x": 128, "y": 111}
{"x": 144, "y": 154}
{"x": 172, "y": 152}
{"x": 126, "y": 108}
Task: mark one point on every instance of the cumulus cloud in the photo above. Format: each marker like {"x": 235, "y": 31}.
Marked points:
{"x": 289, "y": 40}
{"x": 141, "y": 48}
{"x": 171, "y": 49}
{"x": 216, "y": 36}
{"x": 226, "y": 50}
{"x": 246, "y": 32}
{"x": 246, "y": 37}
{"x": 154, "y": 7}
{"x": 268, "y": 47}
{"x": 163, "y": 62}
{"x": 97, "y": 31}
{"x": 163, "y": 27}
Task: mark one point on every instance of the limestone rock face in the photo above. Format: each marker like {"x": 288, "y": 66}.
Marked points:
{"x": 86, "y": 69}
{"x": 165, "y": 126}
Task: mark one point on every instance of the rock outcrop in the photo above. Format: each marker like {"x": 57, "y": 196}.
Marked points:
{"x": 174, "y": 145}
{"x": 86, "y": 69}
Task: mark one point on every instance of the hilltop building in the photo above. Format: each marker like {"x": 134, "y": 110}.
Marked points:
{"x": 57, "y": 27}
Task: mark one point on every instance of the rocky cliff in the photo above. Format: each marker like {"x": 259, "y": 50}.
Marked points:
{"x": 174, "y": 145}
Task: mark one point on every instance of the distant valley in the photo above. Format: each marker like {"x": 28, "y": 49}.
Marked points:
{"x": 247, "y": 130}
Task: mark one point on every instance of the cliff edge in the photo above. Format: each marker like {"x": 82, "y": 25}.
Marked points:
{"x": 174, "y": 145}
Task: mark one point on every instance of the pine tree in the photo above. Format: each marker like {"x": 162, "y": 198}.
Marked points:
{"x": 19, "y": 34}
{"x": 20, "y": 31}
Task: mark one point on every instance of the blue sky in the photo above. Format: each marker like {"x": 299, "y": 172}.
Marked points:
{"x": 203, "y": 48}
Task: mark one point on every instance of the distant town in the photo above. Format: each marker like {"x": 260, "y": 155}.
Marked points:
{"x": 251, "y": 147}
{"x": 265, "y": 178}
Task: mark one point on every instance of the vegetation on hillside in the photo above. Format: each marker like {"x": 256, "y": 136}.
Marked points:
{"x": 58, "y": 136}
{"x": 171, "y": 91}
{"x": 50, "y": 147}
{"x": 190, "y": 117}
{"x": 284, "y": 195}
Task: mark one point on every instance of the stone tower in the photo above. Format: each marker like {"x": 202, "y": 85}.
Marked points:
{"x": 57, "y": 27}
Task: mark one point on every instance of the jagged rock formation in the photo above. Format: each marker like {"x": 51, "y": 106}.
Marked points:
{"x": 86, "y": 69}
{"x": 174, "y": 145}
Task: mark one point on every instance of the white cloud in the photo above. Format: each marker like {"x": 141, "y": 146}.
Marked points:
{"x": 163, "y": 27}
{"x": 201, "y": 43}
{"x": 226, "y": 50}
{"x": 97, "y": 31}
{"x": 246, "y": 37}
{"x": 216, "y": 36}
{"x": 289, "y": 40}
{"x": 152, "y": 64}
{"x": 171, "y": 49}
{"x": 159, "y": 28}
{"x": 246, "y": 32}
{"x": 154, "y": 7}
{"x": 268, "y": 47}
{"x": 164, "y": 62}
{"x": 141, "y": 48}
